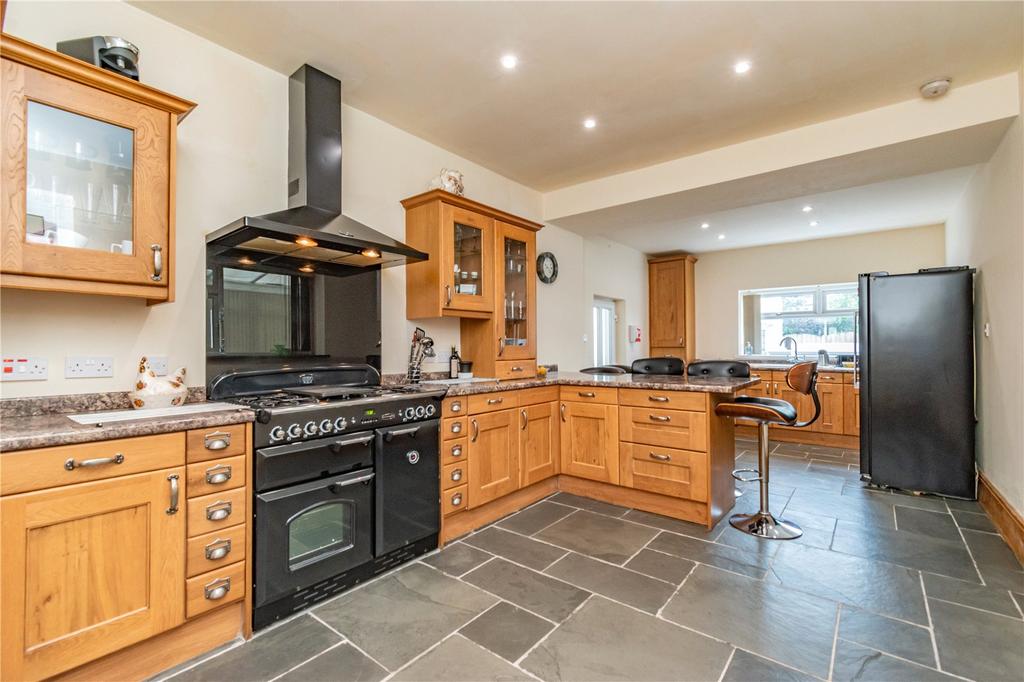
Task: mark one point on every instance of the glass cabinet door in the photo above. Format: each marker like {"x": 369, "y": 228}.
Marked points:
{"x": 469, "y": 277}
{"x": 517, "y": 290}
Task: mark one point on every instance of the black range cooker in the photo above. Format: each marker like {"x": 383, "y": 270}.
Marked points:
{"x": 346, "y": 479}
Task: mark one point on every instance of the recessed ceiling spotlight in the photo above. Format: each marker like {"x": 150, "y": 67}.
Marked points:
{"x": 589, "y": 123}
{"x": 721, "y": 236}
{"x": 741, "y": 66}
{"x": 936, "y": 88}
{"x": 807, "y": 209}
{"x": 814, "y": 223}
{"x": 509, "y": 61}
{"x": 705, "y": 226}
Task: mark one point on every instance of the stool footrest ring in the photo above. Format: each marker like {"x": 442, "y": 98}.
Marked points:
{"x": 736, "y": 474}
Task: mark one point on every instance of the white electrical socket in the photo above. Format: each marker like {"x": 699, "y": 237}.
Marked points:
{"x": 24, "y": 369}
{"x": 158, "y": 363}
{"x": 88, "y": 367}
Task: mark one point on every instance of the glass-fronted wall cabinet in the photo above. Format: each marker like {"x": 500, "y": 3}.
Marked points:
{"x": 517, "y": 288}
{"x": 88, "y": 177}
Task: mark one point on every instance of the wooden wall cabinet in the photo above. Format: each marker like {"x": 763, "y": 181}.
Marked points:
{"x": 671, "y": 300}
{"x": 88, "y": 177}
{"x": 590, "y": 440}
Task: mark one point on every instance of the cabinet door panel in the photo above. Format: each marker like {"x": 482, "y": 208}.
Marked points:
{"x": 468, "y": 242}
{"x": 668, "y": 322}
{"x": 539, "y": 442}
{"x": 516, "y": 292}
{"x": 831, "y": 418}
{"x": 493, "y": 456}
{"x": 851, "y": 410}
{"x": 590, "y": 441}
{"x": 89, "y": 569}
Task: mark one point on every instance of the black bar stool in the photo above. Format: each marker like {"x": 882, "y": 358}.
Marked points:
{"x": 803, "y": 378}
{"x": 603, "y": 369}
{"x": 657, "y": 366}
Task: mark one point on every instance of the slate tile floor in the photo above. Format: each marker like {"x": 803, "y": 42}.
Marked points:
{"x": 883, "y": 586}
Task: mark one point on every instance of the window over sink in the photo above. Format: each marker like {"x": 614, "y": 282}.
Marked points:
{"x": 819, "y": 317}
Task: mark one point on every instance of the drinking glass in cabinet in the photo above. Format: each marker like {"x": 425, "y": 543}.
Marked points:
{"x": 516, "y": 304}
{"x": 79, "y": 181}
{"x": 468, "y": 259}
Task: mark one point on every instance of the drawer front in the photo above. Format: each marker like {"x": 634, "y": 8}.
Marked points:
{"x": 668, "y": 471}
{"x": 665, "y": 400}
{"x": 454, "y": 427}
{"x": 454, "y": 500}
{"x": 216, "y": 442}
{"x": 664, "y": 428}
{"x": 454, "y": 451}
{"x": 213, "y": 550}
{"x": 211, "y": 476}
{"x": 207, "y": 591}
{"x": 848, "y": 377}
{"x": 67, "y": 464}
{"x": 213, "y": 512}
{"x": 455, "y": 407}
{"x": 515, "y": 369}
{"x": 534, "y": 396}
{"x": 492, "y": 402}
{"x": 830, "y": 377}
{"x": 589, "y": 394}
{"x": 454, "y": 475}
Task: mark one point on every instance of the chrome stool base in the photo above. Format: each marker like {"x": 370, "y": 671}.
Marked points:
{"x": 764, "y": 525}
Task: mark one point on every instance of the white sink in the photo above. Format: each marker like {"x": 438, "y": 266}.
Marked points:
{"x": 94, "y": 418}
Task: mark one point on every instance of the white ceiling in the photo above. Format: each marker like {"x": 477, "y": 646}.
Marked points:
{"x": 656, "y": 75}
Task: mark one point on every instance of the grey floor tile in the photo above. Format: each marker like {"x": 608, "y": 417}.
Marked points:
{"x": 871, "y": 585}
{"x": 600, "y": 536}
{"x": 838, "y": 469}
{"x": 713, "y": 553}
{"x": 865, "y": 509}
{"x": 607, "y": 641}
{"x": 818, "y": 530}
{"x": 267, "y": 655}
{"x": 903, "y": 498}
{"x": 459, "y": 660}
{"x": 641, "y": 591}
{"x": 662, "y": 566}
{"x": 694, "y": 530}
{"x": 746, "y": 667}
{"x": 906, "y": 549}
{"x": 935, "y": 524}
{"x": 541, "y": 594}
{"x": 533, "y": 519}
{"x": 996, "y": 561}
{"x": 964, "y": 505}
{"x": 993, "y": 599}
{"x": 976, "y": 644}
{"x": 857, "y": 663}
{"x": 515, "y": 547}
{"x": 403, "y": 614}
{"x": 456, "y": 559}
{"x": 888, "y": 635}
{"x": 343, "y": 663}
{"x": 790, "y": 627}
{"x": 588, "y": 504}
{"x": 507, "y": 630}
{"x": 974, "y": 521}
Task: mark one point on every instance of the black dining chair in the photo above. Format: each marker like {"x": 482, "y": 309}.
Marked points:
{"x": 658, "y": 366}
{"x": 604, "y": 369}
{"x": 718, "y": 368}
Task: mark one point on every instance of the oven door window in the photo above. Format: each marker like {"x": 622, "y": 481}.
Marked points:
{"x": 319, "y": 532}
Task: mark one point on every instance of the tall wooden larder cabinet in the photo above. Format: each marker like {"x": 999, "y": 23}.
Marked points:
{"x": 671, "y": 314}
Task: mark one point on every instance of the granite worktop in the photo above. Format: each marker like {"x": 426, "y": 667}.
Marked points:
{"x": 45, "y": 430}
{"x": 658, "y": 382}
{"x": 783, "y": 366}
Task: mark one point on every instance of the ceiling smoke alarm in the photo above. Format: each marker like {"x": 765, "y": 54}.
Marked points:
{"x": 935, "y": 88}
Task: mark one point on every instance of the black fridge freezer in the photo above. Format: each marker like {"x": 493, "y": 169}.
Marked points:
{"x": 916, "y": 371}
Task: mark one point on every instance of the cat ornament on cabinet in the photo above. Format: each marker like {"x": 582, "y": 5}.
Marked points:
{"x": 153, "y": 391}
{"x": 449, "y": 180}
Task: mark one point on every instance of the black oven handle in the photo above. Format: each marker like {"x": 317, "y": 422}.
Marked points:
{"x": 304, "y": 446}
{"x": 410, "y": 431}
{"x": 333, "y": 484}
{"x": 345, "y": 442}
{"x": 338, "y": 485}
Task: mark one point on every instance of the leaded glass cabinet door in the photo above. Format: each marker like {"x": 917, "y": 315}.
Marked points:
{"x": 516, "y": 300}
{"x": 469, "y": 258}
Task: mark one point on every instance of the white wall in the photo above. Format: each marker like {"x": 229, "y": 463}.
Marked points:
{"x": 721, "y": 275}
{"x": 986, "y": 231}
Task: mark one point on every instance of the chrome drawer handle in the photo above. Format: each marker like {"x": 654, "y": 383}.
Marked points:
{"x": 219, "y": 474}
{"x": 657, "y": 398}
{"x": 659, "y": 457}
{"x": 457, "y": 406}
{"x": 218, "y": 549}
{"x": 457, "y": 499}
{"x": 158, "y": 262}
{"x": 659, "y": 418}
{"x": 172, "y": 505}
{"x": 457, "y": 475}
{"x": 587, "y": 394}
{"x": 457, "y": 451}
{"x": 70, "y": 464}
{"x": 457, "y": 427}
{"x": 517, "y": 368}
{"x": 218, "y": 440}
{"x": 218, "y": 589}
{"x": 495, "y": 401}
{"x": 218, "y": 511}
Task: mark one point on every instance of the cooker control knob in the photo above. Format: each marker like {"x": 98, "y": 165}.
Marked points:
{"x": 326, "y": 426}
{"x": 310, "y": 428}
{"x": 277, "y": 433}
{"x": 294, "y": 431}
{"x": 340, "y": 423}
{"x": 410, "y": 413}
{"x": 431, "y": 410}
{"x": 421, "y": 412}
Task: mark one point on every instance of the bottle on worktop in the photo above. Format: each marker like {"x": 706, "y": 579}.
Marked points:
{"x": 453, "y": 364}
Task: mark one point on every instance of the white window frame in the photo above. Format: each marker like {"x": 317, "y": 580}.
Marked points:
{"x": 601, "y": 342}
{"x": 818, "y": 311}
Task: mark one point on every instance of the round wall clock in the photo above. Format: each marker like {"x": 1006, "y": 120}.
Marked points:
{"x": 547, "y": 267}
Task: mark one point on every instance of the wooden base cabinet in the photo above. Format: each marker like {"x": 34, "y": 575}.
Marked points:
{"x": 539, "y": 442}
{"x": 590, "y": 440}
{"x": 493, "y": 456}
{"x": 851, "y": 408}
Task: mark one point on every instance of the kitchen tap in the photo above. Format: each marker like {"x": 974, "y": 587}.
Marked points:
{"x": 790, "y": 343}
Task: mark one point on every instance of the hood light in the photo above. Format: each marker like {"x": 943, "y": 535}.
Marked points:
{"x": 306, "y": 268}
{"x": 370, "y": 253}
{"x": 305, "y": 241}
{"x": 245, "y": 260}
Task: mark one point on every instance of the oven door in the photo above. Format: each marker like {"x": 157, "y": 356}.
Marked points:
{"x": 312, "y": 531}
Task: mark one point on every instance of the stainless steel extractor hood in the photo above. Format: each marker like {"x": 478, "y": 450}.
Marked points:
{"x": 312, "y": 233}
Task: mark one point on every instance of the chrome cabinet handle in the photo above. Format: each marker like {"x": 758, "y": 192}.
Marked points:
{"x": 456, "y": 451}
{"x": 517, "y": 368}
{"x": 172, "y": 506}
{"x": 501, "y": 346}
{"x": 660, "y": 457}
{"x": 218, "y": 511}
{"x": 657, "y": 398}
{"x": 70, "y": 464}
{"x": 158, "y": 262}
{"x": 587, "y": 394}
{"x": 447, "y": 294}
{"x": 457, "y": 499}
{"x": 561, "y": 411}
{"x": 457, "y": 427}
{"x": 495, "y": 401}
{"x": 218, "y": 589}
{"x": 216, "y": 475}
{"x": 218, "y": 440}
{"x": 476, "y": 431}
{"x": 681, "y": 341}
{"x": 659, "y": 418}
{"x": 523, "y": 420}
{"x": 456, "y": 474}
{"x": 457, "y": 406}
{"x": 218, "y": 549}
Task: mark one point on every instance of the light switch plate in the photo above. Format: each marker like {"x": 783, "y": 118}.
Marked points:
{"x": 88, "y": 367}
{"x": 24, "y": 369}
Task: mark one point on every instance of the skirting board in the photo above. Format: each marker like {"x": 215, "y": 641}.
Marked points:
{"x": 1007, "y": 519}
